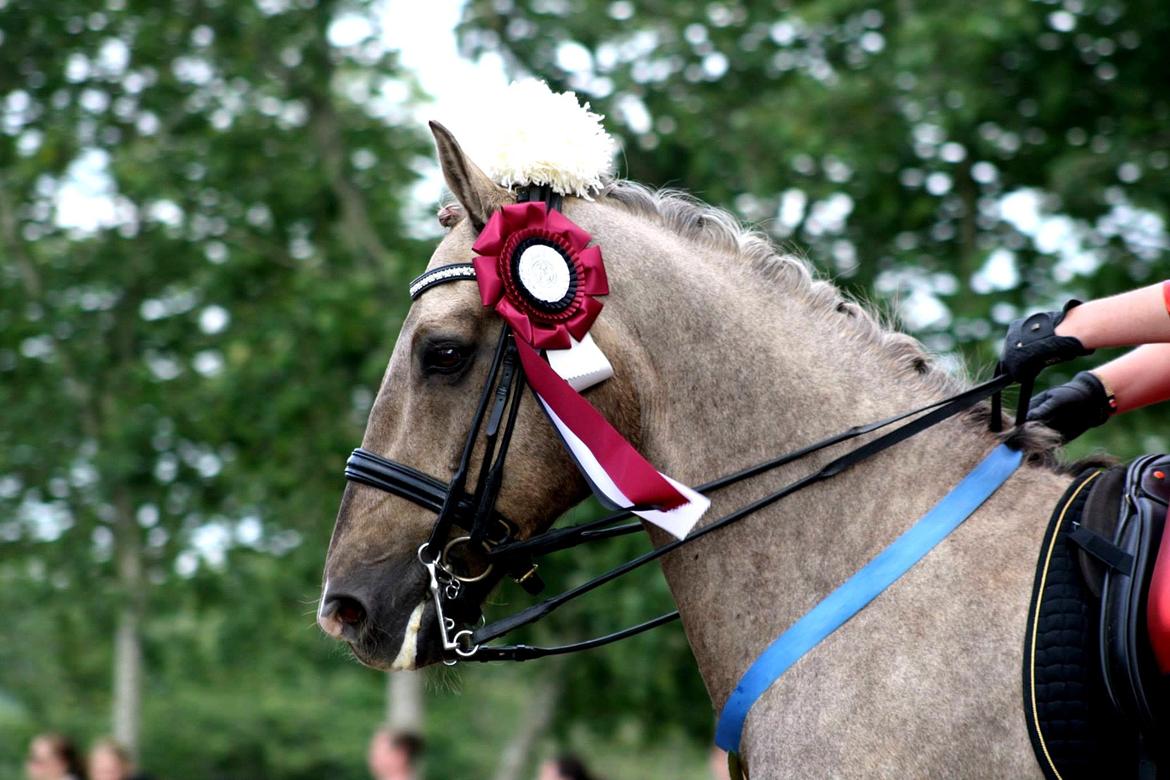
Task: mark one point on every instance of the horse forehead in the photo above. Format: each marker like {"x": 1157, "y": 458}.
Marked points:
{"x": 454, "y": 309}
{"x": 455, "y": 246}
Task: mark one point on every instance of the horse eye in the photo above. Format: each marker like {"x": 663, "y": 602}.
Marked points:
{"x": 445, "y": 358}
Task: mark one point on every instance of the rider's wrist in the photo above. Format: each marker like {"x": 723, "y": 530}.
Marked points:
{"x": 1070, "y": 322}
{"x": 1110, "y": 397}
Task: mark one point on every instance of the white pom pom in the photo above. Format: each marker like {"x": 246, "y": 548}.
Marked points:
{"x": 528, "y": 134}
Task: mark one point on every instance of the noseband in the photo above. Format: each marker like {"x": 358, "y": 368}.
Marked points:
{"x": 456, "y": 593}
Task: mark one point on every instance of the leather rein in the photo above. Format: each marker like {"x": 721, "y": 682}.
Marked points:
{"x": 456, "y": 594}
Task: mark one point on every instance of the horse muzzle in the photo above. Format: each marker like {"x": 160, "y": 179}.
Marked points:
{"x": 390, "y": 626}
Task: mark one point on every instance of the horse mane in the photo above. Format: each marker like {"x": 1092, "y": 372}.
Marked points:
{"x": 692, "y": 219}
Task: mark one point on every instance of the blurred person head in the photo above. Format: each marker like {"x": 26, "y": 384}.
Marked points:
{"x": 394, "y": 754}
{"x": 717, "y": 761}
{"x": 53, "y": 757}
{"x": 564, "y": 767}
{"x": 108, "y": 760}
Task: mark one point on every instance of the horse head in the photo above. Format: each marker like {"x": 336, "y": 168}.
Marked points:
{"x": 375, "y": 594}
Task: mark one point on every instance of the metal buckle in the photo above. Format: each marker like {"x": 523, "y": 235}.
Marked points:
{"x": 447, "y": 567}
{"x": 505, "y": 537}
{"x": 527, "y": 575}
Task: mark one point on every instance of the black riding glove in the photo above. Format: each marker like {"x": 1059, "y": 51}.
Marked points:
{"x": 1074, "y": 407}
{"x": 1032, "y": 344}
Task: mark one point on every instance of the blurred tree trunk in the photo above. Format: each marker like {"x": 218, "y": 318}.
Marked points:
{"x": 127, "y": 707}
{"x": 536, "y": 719}
{"x": 404, "y": 701}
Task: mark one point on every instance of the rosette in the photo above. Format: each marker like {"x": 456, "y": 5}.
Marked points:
{"x": 535, "y": 266}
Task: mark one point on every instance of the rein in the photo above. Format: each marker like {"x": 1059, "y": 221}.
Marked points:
{"x": 471, "y": 512}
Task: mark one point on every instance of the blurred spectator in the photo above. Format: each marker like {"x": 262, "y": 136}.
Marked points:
{"x": 394, "y": 755}
{"x": 717, "y": 761}
{"x": 53, "y": 757}
{"x": 108, "y": 760}
{"x": 564, "y": 767}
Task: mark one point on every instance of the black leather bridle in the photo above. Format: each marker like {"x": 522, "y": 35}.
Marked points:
{"x": 473, "y": 512}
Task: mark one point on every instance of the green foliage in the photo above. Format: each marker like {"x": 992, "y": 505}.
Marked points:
{"x": 191, "y": 369}
{"x": 202, "y": 268}
{"x": 185, "y": 369}
{"x": 884, "y": 138}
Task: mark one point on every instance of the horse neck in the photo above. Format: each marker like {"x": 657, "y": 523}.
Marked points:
{"x": 743, "y": 367}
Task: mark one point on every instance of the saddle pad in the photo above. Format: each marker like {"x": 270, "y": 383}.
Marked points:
{"x": 1066, "y": 709}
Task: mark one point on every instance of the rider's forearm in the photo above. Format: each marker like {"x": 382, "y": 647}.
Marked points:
{"x": 1138, "y": 378}
{"x": 1126, "y": 320}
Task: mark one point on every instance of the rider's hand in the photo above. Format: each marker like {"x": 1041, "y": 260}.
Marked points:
{"x": 1032, "y": 344}
{"x": 1074, "y": 407}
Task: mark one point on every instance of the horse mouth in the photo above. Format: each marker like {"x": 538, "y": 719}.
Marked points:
{"x": 415, "y": 645}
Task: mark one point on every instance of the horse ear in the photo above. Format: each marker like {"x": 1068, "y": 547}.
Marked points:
{"x": 479, "y": 195}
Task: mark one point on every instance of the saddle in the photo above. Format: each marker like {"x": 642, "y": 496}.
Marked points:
{"x": 1096, "y": 704}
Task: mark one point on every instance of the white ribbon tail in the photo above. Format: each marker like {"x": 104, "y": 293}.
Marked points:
{"x": 582, "y": 365}
{"x": 678, "y": 521}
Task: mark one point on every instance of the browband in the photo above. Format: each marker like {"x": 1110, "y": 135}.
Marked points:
{"x": 446, "y": 273}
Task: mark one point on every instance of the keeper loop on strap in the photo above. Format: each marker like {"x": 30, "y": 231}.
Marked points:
{"x": 1102, "y": 549}
{"x": 1025, "y": 400}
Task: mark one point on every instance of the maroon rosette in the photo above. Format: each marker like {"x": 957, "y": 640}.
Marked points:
{"x": 537, "y": 269}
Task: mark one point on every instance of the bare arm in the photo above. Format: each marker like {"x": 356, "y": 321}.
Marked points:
{"x": 1138, "y": 317}
{"x": 1138, "y": 378}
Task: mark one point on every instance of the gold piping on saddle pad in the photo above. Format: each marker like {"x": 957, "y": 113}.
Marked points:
{"x": 1034, "y": 612}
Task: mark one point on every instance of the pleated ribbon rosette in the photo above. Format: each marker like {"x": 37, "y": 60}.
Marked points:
{"x": 539, "y": 272}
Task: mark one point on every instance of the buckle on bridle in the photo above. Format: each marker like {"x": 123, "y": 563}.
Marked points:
{"x": 445, "y": 563}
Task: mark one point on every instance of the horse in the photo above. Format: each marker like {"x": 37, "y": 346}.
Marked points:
{"x": 726, "y": 350}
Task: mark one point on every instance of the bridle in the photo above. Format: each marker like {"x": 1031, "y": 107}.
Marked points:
{"x": 456, "y": 594}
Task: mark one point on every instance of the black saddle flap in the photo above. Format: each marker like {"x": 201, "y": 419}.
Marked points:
{"x": 1100, "y": 516}
{"x": 1131, "y": 674}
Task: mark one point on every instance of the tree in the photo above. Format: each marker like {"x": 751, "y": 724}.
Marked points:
{"x": 962, "y": 162}
{"x": 202, "y": 267}
{"x": 199, "y": 207}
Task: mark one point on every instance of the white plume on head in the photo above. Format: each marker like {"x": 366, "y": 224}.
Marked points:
{"x": 528, "y": 134}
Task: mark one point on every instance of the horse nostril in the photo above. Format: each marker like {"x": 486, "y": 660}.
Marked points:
{"x": 342, "y": 617}
{"x": 350, "y": 612}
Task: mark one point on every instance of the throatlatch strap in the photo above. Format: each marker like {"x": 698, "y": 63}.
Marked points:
{"x": 863, "y": 587}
